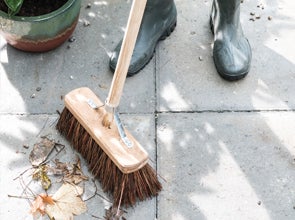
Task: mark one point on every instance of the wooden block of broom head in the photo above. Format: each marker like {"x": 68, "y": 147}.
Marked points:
{"x": 128, "y": 160}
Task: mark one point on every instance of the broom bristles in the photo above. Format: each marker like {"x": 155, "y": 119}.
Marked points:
{"x": 139, "y": 185}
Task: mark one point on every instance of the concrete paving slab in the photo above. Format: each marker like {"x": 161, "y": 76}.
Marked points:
{"x": 227, "y": 166}
{"x": 83, "y": 62}
{"x": 187, "y": 77}
{"x": 18, "y": 131}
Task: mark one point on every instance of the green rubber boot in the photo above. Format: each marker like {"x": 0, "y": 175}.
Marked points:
{"x": 231, "y": 52}
{"x": 158, "y": 21}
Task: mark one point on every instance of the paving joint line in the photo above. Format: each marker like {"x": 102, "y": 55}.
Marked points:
{"x": 155, "y": 113}
{"x": 226, "y": 111}
{"x": 27, "y": 114}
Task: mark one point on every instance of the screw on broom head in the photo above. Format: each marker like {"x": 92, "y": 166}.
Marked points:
{"x": 135, "y": 179}
{"x": 107, "y": 119}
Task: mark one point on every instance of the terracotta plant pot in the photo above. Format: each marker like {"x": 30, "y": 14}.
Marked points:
{"x": 41, "y": 33}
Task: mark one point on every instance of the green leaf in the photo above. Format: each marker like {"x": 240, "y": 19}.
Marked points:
{"x": 13, "y": 6}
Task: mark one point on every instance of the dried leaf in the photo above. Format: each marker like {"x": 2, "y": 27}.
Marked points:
{"x": 39, "y": 204}
{"x": 41, "y": 151}
{"x": 59, "y": 169}
{"x": 72, "y": 173}
{"x": 67, "y": 202}
{"x": 75, "y": 175}
{"x": 47, "y": 199}
{"x": 41, "y": 174}
{"x": 74, "y": 178}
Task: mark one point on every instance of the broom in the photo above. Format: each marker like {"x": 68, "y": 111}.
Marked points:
{"x": 94, "y": 129}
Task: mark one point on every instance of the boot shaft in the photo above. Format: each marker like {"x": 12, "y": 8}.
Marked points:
{"x": 159, "y": 4}
{"x": 228, "y": 11}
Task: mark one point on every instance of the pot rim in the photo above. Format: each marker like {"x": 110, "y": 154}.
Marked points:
{"x": 44, "y": 17}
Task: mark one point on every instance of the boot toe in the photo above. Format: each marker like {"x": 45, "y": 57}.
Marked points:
{"x": 232, "y": 61}
{"x": 114, "y": 59}
{"x": 138, "y": 60}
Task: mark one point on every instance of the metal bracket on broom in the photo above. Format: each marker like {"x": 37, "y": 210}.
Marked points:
{"x": 118, "y": 122}
{"x": 121, "y": 131}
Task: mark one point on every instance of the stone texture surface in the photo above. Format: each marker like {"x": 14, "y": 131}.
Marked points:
{"x": 223, "y": 150}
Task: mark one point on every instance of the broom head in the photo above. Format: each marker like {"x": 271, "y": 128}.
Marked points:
{"x": 123, "y": 171}
{"x": 126, "y": 159}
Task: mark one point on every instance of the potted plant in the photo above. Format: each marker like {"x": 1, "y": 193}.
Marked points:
{"x": 38, "y": 25}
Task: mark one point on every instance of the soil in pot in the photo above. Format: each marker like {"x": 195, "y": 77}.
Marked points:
{"x": 36, "y": 7}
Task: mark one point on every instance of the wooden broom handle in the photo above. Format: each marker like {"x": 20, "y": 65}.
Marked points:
{"x": 129, "y": 40}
